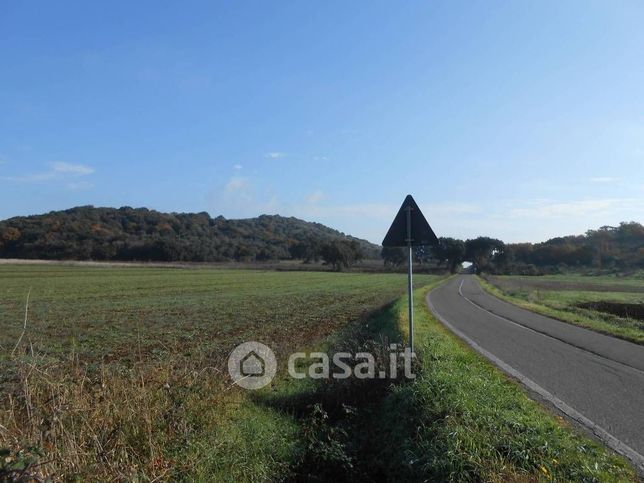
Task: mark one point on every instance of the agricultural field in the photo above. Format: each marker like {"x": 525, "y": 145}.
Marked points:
{"x": 609, "y": 304}
{"x": 128, "y": 315}
{"x": 120, "y": 374}
{"x": 121, "y": 371}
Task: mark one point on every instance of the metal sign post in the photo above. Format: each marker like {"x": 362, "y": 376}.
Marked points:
{"x": 410, "y": 229}
{"x": 410, "y": 283}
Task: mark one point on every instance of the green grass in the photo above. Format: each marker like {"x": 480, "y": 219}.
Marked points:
{"x": 459, "y": 420}
{"x": 617, "y": 280}
{"x": 560, "y": 302}
{"x": 122, "y": 371}
{"x": 113, "y": 313}
{"x": 121, "y": 375}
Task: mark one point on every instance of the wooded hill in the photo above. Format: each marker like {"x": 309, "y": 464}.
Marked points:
{"x": 89, "y": 233}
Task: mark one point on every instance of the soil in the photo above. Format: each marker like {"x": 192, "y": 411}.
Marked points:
{"x": 537, "y": 284}
{"x": 630, "y": 311}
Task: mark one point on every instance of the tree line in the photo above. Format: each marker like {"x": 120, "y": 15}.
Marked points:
{"x": 139, "y": 234}
{"x": 609, "y": 248}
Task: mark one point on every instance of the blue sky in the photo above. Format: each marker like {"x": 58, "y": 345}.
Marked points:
{"x": 520, "y": 120}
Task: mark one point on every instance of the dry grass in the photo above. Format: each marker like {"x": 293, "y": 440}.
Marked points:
{"x": 108, "y": 423}
{"x": 120, "y": 374}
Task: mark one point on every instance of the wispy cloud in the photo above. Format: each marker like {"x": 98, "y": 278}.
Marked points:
{"x": 238, "y": 197}
{"x": 236, "y": 184}
{"x": 315, "y": 197}
{"x": 237, "y": 166}
{"x": 578, "y": 208}
{"x": 79, "y": 185}
{"x": 377, "y": 211}
{"x": 604, "y": 179}
{"x": 57, "y": 171}
{"x": 275, "y": 155}
{"x": 452, "y": 208}
{"x": 521, "y": 219}
{"x": 31, "y": 178}
{"x": 71, "y": 169}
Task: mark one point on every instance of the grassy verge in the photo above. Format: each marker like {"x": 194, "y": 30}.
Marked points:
{"x": 560, "y": 305}
{"x": 463, "y": 420}
{"x": 459, "y": 420}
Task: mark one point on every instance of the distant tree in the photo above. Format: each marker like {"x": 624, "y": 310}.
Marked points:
{"x": 129, "y": 233}
{"x": 394, "y": 256}
{"x": 341, "y": 254}
{"x": 307, "y": 250}
{"x": 451, "y": 252}
{"x": 11, "y": 234}
{"x": 9, "y": 237}
{"x": 357, "y": 250}
{"x": 482, "y": 251}
{"x": 264, "y": 255}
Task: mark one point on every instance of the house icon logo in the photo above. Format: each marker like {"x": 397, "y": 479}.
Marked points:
{"x": 252, "y": 365}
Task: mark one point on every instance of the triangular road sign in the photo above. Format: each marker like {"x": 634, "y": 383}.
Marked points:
{"x": 421, "y": 232}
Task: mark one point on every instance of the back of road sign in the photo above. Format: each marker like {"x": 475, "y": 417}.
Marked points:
{"x": 421, "y": 232}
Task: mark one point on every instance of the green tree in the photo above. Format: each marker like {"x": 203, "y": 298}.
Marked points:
{"x": 394, "y": 256}
{"x": 341, "y": 254}
{"x": 450, "y": 251}
{"x": 482, "y": 251}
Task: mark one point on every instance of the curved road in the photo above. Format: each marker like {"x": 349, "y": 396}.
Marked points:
{"x": 594, "y": 379}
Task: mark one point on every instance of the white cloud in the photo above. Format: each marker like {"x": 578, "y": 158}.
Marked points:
{"x": 79, "y": 185}
{"x": 30, "y": 178}
{"x": 237, "y": 166}
{"x": 579, "y": 208}
{"x": 315, "y": 197}
{"x": 242, "y": 197}
{"x": 236, "y": 184}
{"x": 452, "y": 208}
{"x": 58, "y": 171}
{"x": 71, "y": 169}
{"x": 533, "y": 220}
{"x": 275, "y": 155}
{"x": 369, "y": 220}
{"x": 604, "y": 179}
{"x": 512, "y": 220}
{"x": 378, "y": 211}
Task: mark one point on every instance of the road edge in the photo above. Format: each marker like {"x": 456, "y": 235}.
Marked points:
{"x": 600, "y": 433}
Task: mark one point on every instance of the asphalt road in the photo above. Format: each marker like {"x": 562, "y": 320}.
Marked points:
{"x": 594, "y": 379}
